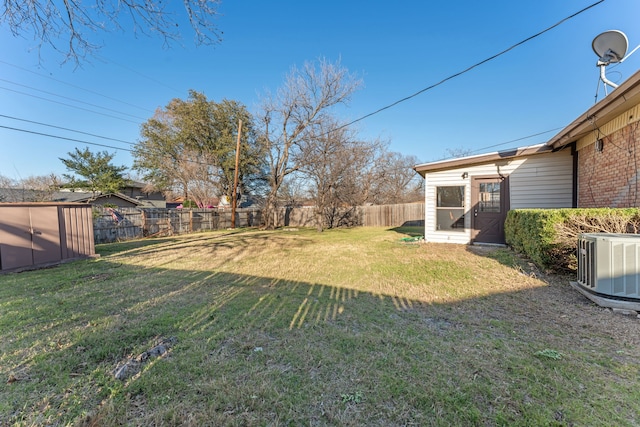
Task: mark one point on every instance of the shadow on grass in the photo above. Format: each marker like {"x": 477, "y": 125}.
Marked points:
{"x": 252, "y": 350}
{"x": 520, "y": 262}
{"x": 410, "y": 230}
{"x": 111, "y": 248}
{"x": 503, "y": 255}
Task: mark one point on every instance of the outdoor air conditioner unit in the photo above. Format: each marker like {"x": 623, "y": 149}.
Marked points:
{"x": 609, "y": 264}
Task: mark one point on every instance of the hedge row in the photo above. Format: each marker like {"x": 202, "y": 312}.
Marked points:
{"x": 549, "y": 236}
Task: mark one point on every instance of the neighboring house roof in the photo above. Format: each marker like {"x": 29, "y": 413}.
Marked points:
{"x": 621, "y": 99}
{"x": 24, "y": 195}
{"x": 19, "y": 195}
{"x": 71, "y": 196}
{"x": 86, "y": 197}
{"x": 481, "y": 158}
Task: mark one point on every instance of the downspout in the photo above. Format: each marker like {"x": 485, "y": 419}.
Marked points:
{"x": 574, "y": 177}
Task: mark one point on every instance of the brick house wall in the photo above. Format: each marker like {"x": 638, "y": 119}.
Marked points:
{"x": 606, "y": 144}
{"x": 610, "y": 177}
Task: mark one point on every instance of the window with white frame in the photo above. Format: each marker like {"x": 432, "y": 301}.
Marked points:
{"x": 450, "y": 208}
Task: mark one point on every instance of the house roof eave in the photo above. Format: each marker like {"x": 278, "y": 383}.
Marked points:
{"x": 481, "y": 158}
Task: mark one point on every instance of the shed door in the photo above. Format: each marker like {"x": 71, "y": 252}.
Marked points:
{"x": 490, "y": 201}
{"x": 46, "y": 235}
{"x": 28, "y": 236}
{"x": 15, "y": 238}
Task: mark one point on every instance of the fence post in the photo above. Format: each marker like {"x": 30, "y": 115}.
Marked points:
{"x": 143, "y": 222}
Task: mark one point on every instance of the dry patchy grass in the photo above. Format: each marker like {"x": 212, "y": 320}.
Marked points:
{"x": 346, "y": 327}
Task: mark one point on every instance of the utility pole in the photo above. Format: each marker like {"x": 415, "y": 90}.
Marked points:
{"x": 234, "y": 196}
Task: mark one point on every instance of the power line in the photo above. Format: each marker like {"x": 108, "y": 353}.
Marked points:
{"x": 133, "y": 143}
{"x": 131, "y": 70}
{"x": 70, "y": 99}
{"x": 67, "y": 129}
{"x": 68, "y": 105}
{"x": 89, "y": 143}
{"x": 338, "y": 128}
{"x": 515, "y": 140}
{"x": 76, "y": 87}
{"x": 393, "y": 104}
{"x": 65, "y": 138}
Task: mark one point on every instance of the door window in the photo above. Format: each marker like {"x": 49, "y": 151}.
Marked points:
{"x": 489, "y": 197}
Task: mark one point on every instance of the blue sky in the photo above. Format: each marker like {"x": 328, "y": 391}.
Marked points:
{"x": 396, "y": 48}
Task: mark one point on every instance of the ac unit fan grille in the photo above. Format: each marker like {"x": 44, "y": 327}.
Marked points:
{"x": 586, "y": 263}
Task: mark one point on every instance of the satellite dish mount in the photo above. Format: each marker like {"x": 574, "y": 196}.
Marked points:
{"x": 611, "y": 47}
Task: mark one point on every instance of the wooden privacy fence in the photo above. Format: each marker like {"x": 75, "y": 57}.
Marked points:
{"x": 368, "y": 216}
{"x": 133, "y": 223}
{"x": 112, "y": 225}
{"x": 393, "y": 215}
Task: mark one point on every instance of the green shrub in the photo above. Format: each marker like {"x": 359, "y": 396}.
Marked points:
{"x": 549, "y": 236}
{"x": 532, "y": 232}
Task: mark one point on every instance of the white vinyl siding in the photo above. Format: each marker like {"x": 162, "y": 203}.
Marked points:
{"x": 442, "y": 179}
{"x": 537, "y": 181}
{"x": 544, "y": 181}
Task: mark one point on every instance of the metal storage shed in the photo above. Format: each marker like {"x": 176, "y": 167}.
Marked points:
{"x": 42, "y": 234}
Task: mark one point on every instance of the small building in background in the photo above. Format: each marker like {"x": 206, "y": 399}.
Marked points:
{"x": 467, "y": 199}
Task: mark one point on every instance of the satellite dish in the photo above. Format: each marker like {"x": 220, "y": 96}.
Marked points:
{"x": 610, "y": 46}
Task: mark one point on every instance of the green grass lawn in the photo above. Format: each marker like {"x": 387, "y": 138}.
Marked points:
{"x": 294, "y": 327}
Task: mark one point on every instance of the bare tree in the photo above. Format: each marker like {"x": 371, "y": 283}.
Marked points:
{"x": 289, "y": 118}
{"x": 395, "y": 180}
{"x": 67, "y": 26}
{"x": 6, "y": 182}
{"x": 43, "y": 187}
{"x": 30, "y": 189}
{"x": 338, "y": 168}
{"x": 323, "y": 162}
{"x": 197, "y": 179}
{"x": 6, "y": 188}
{"x": 458, "y": 152}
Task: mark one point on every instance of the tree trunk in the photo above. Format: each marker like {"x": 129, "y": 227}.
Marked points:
{"x": 270, "y": 213}
{"x": 319, "y": 220}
